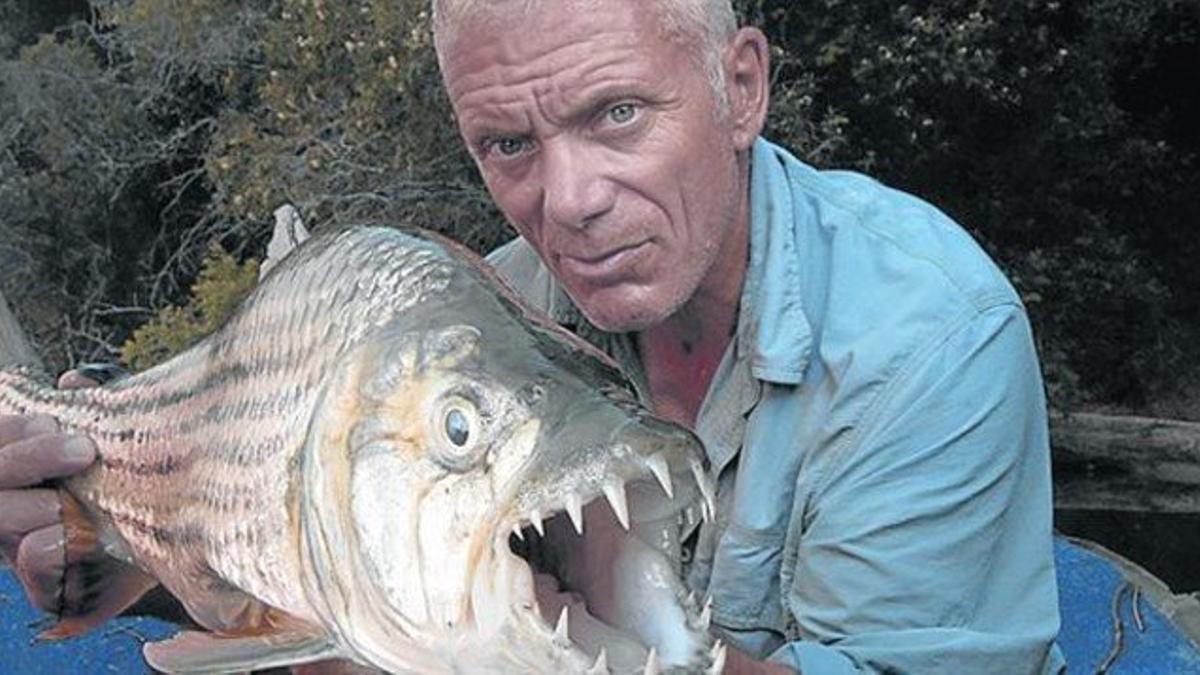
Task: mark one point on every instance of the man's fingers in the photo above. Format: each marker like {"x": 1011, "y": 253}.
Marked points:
{"x": 73, "y": 379}
{"x": 15, "y": 427}
{"x": 39, "y": 566}
{"x": 31, "y": 461}
{"x": 25, "y": 511}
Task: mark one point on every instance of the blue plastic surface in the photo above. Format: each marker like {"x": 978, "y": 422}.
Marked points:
{"x": 114, "y": 648}
{"x": 1087, "y": 584}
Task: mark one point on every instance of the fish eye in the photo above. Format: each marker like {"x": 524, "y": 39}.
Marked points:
{"x": 457, "y": 427}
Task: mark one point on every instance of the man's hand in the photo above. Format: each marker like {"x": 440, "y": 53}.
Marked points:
{"x": 32, "y": 539}
{"x": 740, "y": 663}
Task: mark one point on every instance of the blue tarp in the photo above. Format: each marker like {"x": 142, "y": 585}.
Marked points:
{"x": 114, "y": 648}
{"x": 1088, "y": 582}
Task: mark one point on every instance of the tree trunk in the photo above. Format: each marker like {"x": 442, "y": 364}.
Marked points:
{"x": 1120, "y": 463}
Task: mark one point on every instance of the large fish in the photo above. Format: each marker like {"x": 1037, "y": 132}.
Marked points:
{"x": 383, "y": 457}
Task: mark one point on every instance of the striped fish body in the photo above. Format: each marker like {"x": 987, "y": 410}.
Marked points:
{"x": 198, "y": 456}
{"x": 345, "y": 467}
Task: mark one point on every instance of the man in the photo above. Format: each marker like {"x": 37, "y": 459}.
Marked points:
{"x": 862, "y": 376}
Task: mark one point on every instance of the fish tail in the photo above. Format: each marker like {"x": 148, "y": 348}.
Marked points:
{"x": 97, "y": 587}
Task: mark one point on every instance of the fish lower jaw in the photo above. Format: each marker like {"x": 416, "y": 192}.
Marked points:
{"x": 591, "y": 634}
{"x": 556, "y": 633}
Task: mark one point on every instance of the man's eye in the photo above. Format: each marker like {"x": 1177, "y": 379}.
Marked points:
{"x": 509, "y": 147}
{"x": 622, "y": 113}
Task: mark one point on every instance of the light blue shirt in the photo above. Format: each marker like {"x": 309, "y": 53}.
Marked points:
{"x": 878, "y": 433}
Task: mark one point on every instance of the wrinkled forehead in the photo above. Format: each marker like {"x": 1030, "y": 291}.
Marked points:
{"x": 559, "y": 54}
{"x": 467, "y": 21}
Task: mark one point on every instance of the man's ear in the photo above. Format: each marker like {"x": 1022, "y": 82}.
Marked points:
{"x": 747, "y": 63}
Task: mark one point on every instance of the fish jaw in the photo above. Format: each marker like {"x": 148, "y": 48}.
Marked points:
{"x": 595, "y": 517}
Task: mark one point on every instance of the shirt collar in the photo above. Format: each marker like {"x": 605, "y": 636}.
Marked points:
{"x": 772, "y": 326}
{"x": 773, "y": 331}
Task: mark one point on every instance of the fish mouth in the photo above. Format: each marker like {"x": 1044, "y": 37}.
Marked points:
{"x": 591, "y": 567}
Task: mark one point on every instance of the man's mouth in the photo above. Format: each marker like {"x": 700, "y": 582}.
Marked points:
{"x": 605, "y": 266}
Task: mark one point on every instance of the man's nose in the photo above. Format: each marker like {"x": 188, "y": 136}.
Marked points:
{"x": 575, "y": 190}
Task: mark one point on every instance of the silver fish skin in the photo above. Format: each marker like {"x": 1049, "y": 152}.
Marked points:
{"x": 360, "y": 464}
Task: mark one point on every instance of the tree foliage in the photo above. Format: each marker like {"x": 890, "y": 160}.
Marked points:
{"x": 223, "y": 282}
{"x": 103, "y": 197}
{"x": 1064, "y": 135}
{"x": 347, "y": 121}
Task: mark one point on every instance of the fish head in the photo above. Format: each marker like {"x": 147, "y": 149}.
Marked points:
{"x": 481, "y": 492}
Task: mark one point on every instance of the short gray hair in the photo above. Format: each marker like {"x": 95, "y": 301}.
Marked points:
{"x": 712, "y": 22}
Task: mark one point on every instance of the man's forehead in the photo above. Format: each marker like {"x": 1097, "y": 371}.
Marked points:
{"x": 570, "y": 54}
{"x": 529, "y": 17}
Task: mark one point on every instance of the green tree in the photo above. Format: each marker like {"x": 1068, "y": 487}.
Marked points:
{"x": 220, "y": 286}
{"x": 104, "y": 201}
{"x": 347, "y": 120}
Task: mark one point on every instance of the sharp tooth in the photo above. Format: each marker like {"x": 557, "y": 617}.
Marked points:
{"x": 600, "y": 667}
{"x": 614, "y": 491}
{"x": 706, "y": 503}
{"x": 718, "y": 659}
{"x": 517, "y": 531}
{"x": 560, "y": 629}
{"x": 658, "y": 466}
{"x": 535, "y": 517}
{"x": 706, "y": 614}
{"x": 651, "y": 663}
{"x": 691, "y": 598}
{"x": 575, "y": 510}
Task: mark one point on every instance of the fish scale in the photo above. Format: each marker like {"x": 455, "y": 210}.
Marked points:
{"x": 196, "y": 456}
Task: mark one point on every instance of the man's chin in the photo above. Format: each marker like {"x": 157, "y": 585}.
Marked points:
{"x": 614, "y": 312}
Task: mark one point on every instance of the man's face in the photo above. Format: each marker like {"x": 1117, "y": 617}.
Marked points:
{"x": 602, "y": 140}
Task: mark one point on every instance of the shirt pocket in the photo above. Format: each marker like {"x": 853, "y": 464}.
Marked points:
{"x": 745, "y": 581}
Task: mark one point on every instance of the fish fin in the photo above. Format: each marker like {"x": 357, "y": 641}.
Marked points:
{"x": 200, "y": 652}
{"x": 224, "y": 609}
{"x": 96, "y": 586}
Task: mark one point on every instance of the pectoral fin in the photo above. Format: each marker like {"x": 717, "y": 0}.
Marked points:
{"x": 96, "y": 586}
{"x": 199, "y": 652}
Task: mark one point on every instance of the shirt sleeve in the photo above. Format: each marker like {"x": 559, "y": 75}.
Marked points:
{"x": 926, "y": 544}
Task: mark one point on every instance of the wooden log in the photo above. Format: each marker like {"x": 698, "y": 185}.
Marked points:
{"x": 1125, "y": 463}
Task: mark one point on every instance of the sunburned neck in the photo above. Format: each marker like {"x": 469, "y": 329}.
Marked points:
{"x": 681, "y": 354}
{"x": 680, "y": 362}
